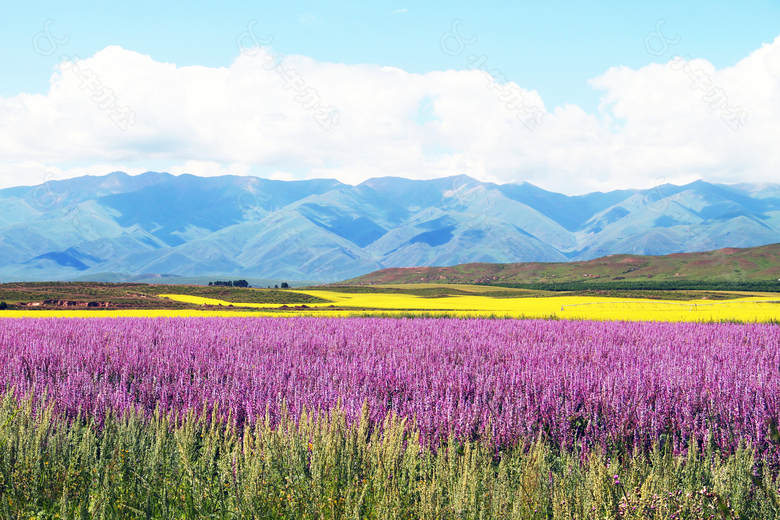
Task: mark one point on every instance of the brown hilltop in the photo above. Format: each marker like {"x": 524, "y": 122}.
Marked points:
{"x": 723, "y": 265}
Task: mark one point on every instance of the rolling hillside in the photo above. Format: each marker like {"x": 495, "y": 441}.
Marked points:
{"x": 727, "y": 266}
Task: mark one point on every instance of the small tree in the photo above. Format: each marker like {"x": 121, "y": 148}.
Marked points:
{"x": 3, "y": 306}
{"x": 285, "y": 286}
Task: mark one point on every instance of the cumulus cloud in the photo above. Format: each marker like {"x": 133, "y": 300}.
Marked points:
{"x": 281, "y": 176}
{"x": 208, "y": 169}
{"x": 353, "y": 122}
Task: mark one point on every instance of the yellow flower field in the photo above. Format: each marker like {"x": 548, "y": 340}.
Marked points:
{"x": 566, "y": 307}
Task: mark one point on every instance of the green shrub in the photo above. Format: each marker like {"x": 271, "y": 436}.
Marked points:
{"x": 324, "y": 467}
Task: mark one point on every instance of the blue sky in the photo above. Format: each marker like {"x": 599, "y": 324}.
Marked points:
{"x": 560, "y": 51}
{"x": 553, "y": 47}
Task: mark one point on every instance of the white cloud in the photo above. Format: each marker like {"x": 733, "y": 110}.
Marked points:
{"x": 281, "y": 176}
{"x": 214, "y": 121}
{"x": 208, "y": 169}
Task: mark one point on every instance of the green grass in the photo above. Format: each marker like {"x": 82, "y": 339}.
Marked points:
{"x": 326, "y": 467}
{"x": 233, "y": 294}
{"x": 439, "y": 291}
{"x": 610, "y": 291}
{"x": 659, "y": 295}
{"x": 652, "y": 286}
{"x": 142, "y": 296}
{"x": 725, "y": 269}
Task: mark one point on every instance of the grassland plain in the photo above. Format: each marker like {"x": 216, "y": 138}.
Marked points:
{"x": 88, "y": 299}
{"x": 133, "y": 295}
{"x": 747, "y": 309}
{"x": 752, "y": 308}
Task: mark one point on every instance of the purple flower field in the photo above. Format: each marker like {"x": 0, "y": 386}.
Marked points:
{"x": 607, "y": 383}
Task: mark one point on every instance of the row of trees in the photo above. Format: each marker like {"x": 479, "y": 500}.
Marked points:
{"x": 234, "y": 283}
{"x": 242, "y": 283}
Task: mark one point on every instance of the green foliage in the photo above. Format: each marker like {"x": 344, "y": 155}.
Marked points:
{"x": 324, "y": 466}
{"x": 670, "y": 285}
{"x": 3, "y": 306}
{"x": 506, "y": 291}
{"x": 234, "y": 283}
{"x": 144, "y": 296}
{"x": 441, "y": 291}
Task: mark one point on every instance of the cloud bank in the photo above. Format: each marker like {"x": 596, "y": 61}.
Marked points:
{"x": 272, "y": 115}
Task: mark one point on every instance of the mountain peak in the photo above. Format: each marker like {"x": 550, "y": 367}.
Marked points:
{"x": 325, "y": 230}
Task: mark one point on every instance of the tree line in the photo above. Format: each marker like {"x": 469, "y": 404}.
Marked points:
{"x": 234, "y": 283}
{"x": 241, "y": 283}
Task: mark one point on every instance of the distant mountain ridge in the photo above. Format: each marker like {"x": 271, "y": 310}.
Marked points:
{"x": 118, "y": 226}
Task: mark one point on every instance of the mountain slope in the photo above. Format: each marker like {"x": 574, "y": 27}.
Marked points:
{"x": 730, "y": 265}
{"x": 327, "y": 231}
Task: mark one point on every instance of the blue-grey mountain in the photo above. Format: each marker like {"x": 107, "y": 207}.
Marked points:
{"x": 120, "y": 227}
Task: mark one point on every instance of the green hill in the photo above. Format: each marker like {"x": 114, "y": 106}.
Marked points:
{"x": 755, "y": 269}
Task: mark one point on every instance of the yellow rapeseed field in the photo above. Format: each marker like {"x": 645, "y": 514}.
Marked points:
{"x": 572, "y": 307}
{"x": 361, "y": 304}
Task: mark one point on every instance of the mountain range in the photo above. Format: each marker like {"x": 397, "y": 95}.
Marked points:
{"x": 119, "y": 227}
